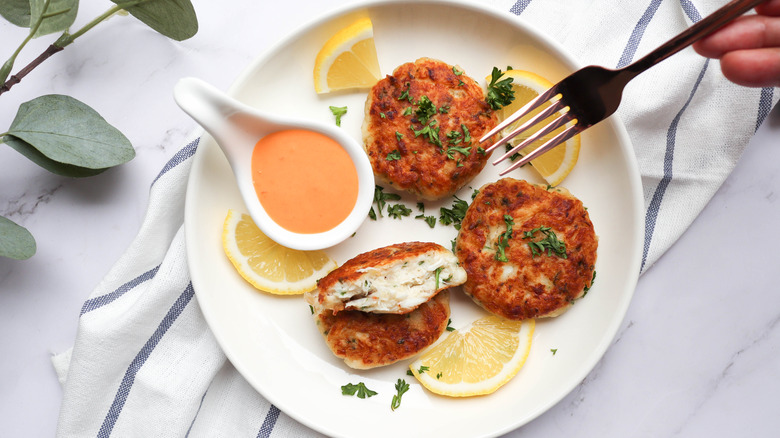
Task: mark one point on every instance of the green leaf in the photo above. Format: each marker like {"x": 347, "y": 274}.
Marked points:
{"x": 59, "y": 16}
{"x": 52, "y": 166}
{"x": 16, "y": 11}
{"x": 68, "y": 131}
{"x": 15, "y": 241}
{"x": 175, "y": 19}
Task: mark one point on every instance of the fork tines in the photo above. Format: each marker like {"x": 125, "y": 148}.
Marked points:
{"x": 557, "y": 106}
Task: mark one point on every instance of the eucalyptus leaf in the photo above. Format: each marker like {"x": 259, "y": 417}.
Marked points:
{"x": 68, "y": 131}
{"x": 175, "y": 19}
{"x": 16, "y": 11}
{"x": 52, "y": 166}
{"x": 58, "y": 16}
{"x": 15, "y": 241}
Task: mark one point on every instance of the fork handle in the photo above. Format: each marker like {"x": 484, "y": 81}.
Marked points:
{"x": 699, "y": 30}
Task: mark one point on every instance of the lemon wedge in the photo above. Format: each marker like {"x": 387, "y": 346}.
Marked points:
{"x": 476, "y": 360}
{"x": 556, "y": 164}
{"x": 267, "y": 265}
{"x": 348, "y": 59}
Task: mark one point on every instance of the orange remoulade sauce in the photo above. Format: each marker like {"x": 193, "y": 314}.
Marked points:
{"x": 306, "y": 181}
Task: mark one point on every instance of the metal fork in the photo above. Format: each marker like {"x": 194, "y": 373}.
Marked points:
{"x": 593, "y": 93}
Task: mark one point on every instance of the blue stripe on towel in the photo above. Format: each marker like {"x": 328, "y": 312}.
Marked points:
{"x": 180, "y": 157}
{"x": 690, "y": 10}
{"x": 519, "y": 6}
{"x": 195, "y": 417}
{"x": 637, "y": 33}
{"x": 764, "y": 105}
{"x": 127, "y": 382}
{"x": 268, "y": 423}
{"x": 660, "y": 190}
{"x": 97, "y": 302}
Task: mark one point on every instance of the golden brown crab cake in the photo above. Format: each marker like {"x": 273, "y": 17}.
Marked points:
{"x": 368, "y": 340}
{"x": 422, "y": 127}
{"x": 392, "y": 279}
{"x": 528, "y": 251}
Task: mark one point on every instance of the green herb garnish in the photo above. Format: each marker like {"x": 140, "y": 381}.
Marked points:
{"x": 452, "y": 149}
{"x": 436, "y": 274}
{"x": 499, "y": 93}
{"x": 454, "y": 215}
{"x": 430, "y": 132}
{"x": 398, "y": 210}
{"x": 549, "y": 243}
{"x": 554, "y": 350}
{"x": 401, "y": 387}
{"x": 449, "y": 327}
{"x": 360, "y": 390}
{"x": 425, "y": 109}
{"x": 423, "y": 369}
{"x": 503, "y": 239}
{"x": 338, "y": 111}
{"x": 395, "y": 155}
{"x": 381, "y": 198}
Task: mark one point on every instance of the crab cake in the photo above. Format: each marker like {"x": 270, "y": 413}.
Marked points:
{"x": 393, "y": 279}
{"x": 367, "y": 340}
{"x": 529, "y": 251}
{"x": 422, "y": 127}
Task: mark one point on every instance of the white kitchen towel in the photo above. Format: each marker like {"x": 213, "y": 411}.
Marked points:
{"x": 145, "y": 362}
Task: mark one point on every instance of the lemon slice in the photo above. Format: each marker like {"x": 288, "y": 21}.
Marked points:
{"x": 267, "y": 265}
{"x": 476, "y": 360}
{"x": 556, "y": 164}
{"x": 348, "y": 59}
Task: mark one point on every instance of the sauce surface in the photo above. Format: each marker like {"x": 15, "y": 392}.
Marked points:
{"x": 306, "y": 182}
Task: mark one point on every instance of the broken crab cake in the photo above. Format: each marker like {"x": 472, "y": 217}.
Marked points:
{"x": 529, "y": 251}
{"x": 386, "y": 305}
{"x": 422, "y": 126}
{"x": 368, "y": 340}
{"x": 392, "y": 279}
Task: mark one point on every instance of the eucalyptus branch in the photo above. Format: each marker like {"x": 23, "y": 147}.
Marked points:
{"x": 9, "y": 64}
{"x": 64, "y": 40}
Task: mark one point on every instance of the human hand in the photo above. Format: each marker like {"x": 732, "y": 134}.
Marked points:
{"x": 748, "y": 47}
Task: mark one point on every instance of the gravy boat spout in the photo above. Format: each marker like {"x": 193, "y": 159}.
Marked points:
{"x": 237, "y": 127}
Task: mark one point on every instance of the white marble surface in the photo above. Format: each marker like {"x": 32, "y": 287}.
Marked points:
{"x": 697, "y": 355}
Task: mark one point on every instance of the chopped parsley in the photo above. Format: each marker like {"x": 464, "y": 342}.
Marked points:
{"x": 425, "y": 110}
{"x": 456, "y": 71}
{"x": 454, "y": 215}
{"x": 430, "y": 220}
{"x": 381, "y": 198}
{"x": 395, "y": 155}
{"x": 554, "y": 350}
{"x": 437, "y": 273}
{"x": 398, "y": 136}
{"x": 454, "y": 137}
{"x": 338, "y": 111}
{"x": 499, "y": 92}
{"x": 408, "y": 111}
{"x": 452, "y": 149}
{"x": 423, "y": 369}
{"x": 444, "y": 109}
{"x": 587, "y": 288}
{"x": 398, "y": 210}
{"x": 466, "y": 134}
{"x": 449, "y": 327}
{"x": 503, "y": 239}
{"x": 549, "y": 243}
{"x": 360, "y": 390}
{"x": 430, "y": 132}
{"x": 401, "y": 387}
{"x": 514, "y": 156}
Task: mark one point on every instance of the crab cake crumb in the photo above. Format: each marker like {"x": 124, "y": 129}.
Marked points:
{"x": 422, "y": 127}
{"x": 392, "y": 279}
{"x": 368, "y": 340}
{"x": 528, "y": 251}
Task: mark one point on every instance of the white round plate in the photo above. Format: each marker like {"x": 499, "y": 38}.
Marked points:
{"x": 273, "y": 341}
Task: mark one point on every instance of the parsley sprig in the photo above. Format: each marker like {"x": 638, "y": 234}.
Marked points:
{"x": 499, "y": 93}
{"x": 549, "y": 243}
{"x": 401, "y": 387}
{"x": 360, "y": 390}
{"x": 425, "y": 110}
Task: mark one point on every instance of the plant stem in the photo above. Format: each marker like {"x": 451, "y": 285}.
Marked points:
{"x": 64, "y": 40}
{"x": 9, "y": 64}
